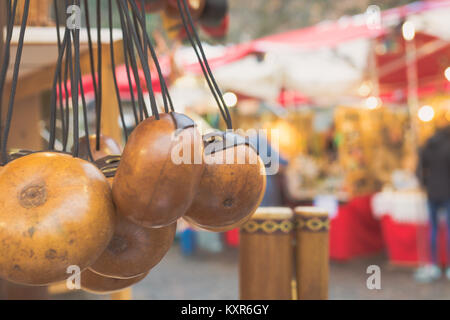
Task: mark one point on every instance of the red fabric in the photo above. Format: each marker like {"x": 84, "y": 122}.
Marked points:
{"x": 392, "y": 68}
{"x": 232, "y": 238}
{"x": 330, "y": 34}
{"x": 410, "y": 243}
{"x": 323, "y": 35}
{"x": 354, "y": 231}
{"x": 291, "y": 98}
{"x": 122, "y": 81}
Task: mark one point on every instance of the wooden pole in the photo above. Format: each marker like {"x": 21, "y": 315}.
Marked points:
{"x": 312, "y": 260}
{"x": 266, "y": 255}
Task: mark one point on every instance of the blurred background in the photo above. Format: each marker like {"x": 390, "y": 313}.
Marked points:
{"x": 359, "y": 92}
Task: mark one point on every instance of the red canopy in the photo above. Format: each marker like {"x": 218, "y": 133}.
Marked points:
{"x": 432, "y": 53}
{"x": 122, "y": 82}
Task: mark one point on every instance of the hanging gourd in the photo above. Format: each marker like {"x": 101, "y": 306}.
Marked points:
{"x": 95, "y": 283}
{"x": 232, "y": 185}
{"x": 56, "y": 212}
{"x": 58, "y": 208}
{"x": 231, "y": 188}
{"x": 134, "y": 250}
{"x": 149, "y": 187}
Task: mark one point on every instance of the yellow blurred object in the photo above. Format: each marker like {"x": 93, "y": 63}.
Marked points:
{"x": 441, "y": 118}
{"x": 372, "y": 145}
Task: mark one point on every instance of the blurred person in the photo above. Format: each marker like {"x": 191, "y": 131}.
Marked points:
{"x": 433, "y": 171}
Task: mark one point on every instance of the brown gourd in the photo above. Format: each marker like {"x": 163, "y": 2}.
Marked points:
{"x": 95, "y": 283}
{"x": 134, "y": 250}
{"x": 56, "y": 212}
{"x": 228, "y": 193}
{"x": 152, "y": 187}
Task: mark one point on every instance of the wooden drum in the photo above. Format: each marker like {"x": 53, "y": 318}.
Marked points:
{"x": 266, "y": 255}
{"x": 312, "y": 258}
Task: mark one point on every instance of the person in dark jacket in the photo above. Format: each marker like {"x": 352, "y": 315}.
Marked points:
{"x": 434, "y": 174}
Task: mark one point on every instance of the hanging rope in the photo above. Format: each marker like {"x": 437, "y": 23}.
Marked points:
{"x": 113, "y": 67}
{"x": 130, "y": 85}
{"x": 58, "y": 37}
{"x": 164, "y": 91}
{"x": 129, "y": 49}
{"x": 75, "y": 83}
{"x": 194, "y": 39}
{"x": 144, "y": 63}
{"x": 14, "y": 79}
{"x": 51, "y": 143}
{"x": 86, "y": 120}
{"x": 99, "y": 75}
{"x": 7, "y": 54}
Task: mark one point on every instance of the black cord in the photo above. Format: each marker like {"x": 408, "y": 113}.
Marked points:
{"x": 51, "y": 143}
{"x": 14, "y": 81}
{"x": 113, "y": 67}
{"x": 130, "y": 84}
{"x": 58, "y": 37}
{"x": 195, "y": 42}
{"x": 66, "y": 106}
{"x": 91, "y": 60}
{"x": 128, "y": 46}
{"x": 164, "y": 91}
{"x": 99, "y": 74}
{"x": 144, "y": 63}
{"x": 6, "y": 55}
{"x": 76, "y": 82}
{"x": 85, "y": 117}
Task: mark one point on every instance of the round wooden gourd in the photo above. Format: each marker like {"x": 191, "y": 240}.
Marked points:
{"x": 150, "y": 188}
{"x": 228, "y": 193}
{"x": 134, "y": 250}
{"x": 56, "y": 212}
{"x": 95, "y": 283}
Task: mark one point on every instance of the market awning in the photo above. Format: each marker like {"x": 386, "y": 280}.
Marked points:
{"x": 122, "y": 83}
{"x": 330, "y": 60}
